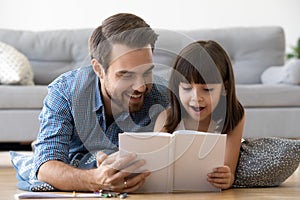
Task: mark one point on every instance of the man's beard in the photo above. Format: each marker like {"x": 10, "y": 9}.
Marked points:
{"x": 125, "y": 106}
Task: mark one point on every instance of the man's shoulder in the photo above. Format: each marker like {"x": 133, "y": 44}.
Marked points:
{"x": 68, "y": 79}
{"x": 159, "y": 92}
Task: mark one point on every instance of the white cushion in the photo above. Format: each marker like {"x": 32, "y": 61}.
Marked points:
{"x": 273, "y": 75}
{"x": 14, "y": 66}
{"x": 287, "y": 74}
{"x": 293, "y": 71}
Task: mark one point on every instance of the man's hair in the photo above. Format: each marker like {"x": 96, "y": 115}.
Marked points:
{"x": 123, "y": 28}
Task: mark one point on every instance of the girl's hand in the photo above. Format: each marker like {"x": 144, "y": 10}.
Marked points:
{"x": 221, "y": 177}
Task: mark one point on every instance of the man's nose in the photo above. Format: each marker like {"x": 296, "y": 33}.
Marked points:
{"x": 139, "y": 85}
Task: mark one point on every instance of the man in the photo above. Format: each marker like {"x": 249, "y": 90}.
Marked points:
{"x": 87, "y": 108}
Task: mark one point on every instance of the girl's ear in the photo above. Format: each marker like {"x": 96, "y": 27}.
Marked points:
{"x": 97, "y": 67}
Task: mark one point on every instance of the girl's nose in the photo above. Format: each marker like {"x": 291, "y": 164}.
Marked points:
{"x": 200, "y": 99}
{"x": 197, "y": 96}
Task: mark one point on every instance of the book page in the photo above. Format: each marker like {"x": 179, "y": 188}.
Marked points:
{"x": 196, "y": 154}
{"x": 155, "y": 149}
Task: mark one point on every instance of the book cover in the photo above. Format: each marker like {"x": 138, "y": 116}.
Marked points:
{"x": 178, "y": 161}
{"x": 156, "y": 150}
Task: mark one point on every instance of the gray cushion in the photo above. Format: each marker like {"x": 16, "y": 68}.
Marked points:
{"x": 22, "y": 97}
{"x": 260, "y": 95}
{"x": 266, "y": 162}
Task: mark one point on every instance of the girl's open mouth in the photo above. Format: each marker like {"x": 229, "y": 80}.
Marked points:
{"x": 197, "y": 109}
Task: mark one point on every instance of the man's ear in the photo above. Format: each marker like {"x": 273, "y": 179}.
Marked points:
{"x": 97, "y": 67}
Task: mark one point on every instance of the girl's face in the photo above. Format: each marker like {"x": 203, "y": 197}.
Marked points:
{"x": 199, "y": 100}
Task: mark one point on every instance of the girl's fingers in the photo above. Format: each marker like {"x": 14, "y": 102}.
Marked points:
{"x": 224, "y": 169}
{"x": 219, "y": 180}
{"x": 219, "y": 175}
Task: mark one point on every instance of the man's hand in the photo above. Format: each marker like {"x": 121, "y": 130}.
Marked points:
{"x": 221, "y": 177}
{"x": 113, "y": 173}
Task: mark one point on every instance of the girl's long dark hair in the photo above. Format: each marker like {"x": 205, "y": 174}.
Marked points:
{"x": 204, "y": 62}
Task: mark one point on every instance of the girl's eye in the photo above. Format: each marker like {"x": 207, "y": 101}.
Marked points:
{"x": 186, "y": 88}
{"x": 208, "y": 89}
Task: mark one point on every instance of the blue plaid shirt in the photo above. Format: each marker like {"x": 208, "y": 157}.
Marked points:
{"x": 72, "y": 120}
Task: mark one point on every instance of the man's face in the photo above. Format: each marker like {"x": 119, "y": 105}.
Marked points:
{"x": 128, "y": 78}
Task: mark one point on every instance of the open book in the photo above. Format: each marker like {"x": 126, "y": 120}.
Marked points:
{"x": 178, "y": 161}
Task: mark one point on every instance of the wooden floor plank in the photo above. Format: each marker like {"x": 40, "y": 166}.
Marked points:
{"x": 290, "y": 189}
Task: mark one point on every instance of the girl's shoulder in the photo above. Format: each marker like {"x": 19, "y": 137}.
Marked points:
{"x": 161, "y": 120}
{"x": 164, "y": 114}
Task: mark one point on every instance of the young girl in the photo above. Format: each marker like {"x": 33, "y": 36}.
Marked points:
{"x": 203, "y": 98}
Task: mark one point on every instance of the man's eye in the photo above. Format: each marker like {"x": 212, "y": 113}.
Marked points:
{"x": 127, "y": 76}
{"x": 147, "y": 73}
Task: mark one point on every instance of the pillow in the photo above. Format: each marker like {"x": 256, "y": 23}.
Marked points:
{"x": 274, "y": 75}
{"x": 266, "y": 162}
{"x": 293, "y": 71}
{"x": 287, "y": 74}
{"x": 14, "y": 66}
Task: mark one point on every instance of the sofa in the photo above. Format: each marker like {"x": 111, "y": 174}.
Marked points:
{"x": 271, "y": 109}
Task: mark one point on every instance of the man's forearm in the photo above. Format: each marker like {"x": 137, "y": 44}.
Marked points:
{"x": 65, "y": 177}
{"x": 112, "y": 173}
